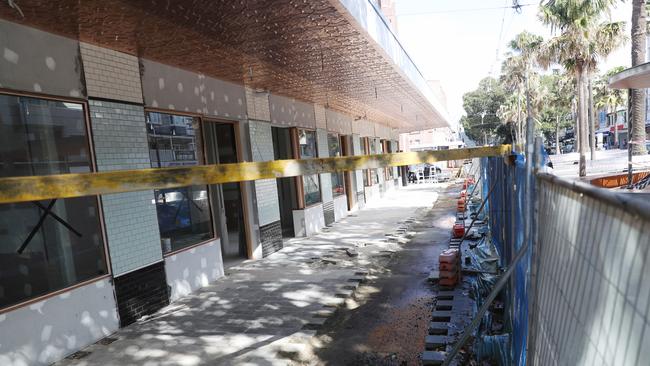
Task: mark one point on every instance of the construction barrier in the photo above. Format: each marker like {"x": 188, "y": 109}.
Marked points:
{"x": 506, "y": 212}
{"x": 580, "y": 294}
{"x": 591, "y": 279}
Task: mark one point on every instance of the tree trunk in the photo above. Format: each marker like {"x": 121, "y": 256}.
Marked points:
{"x": 591, "y": 119}
{"x": 616, "y": 143}
{"x": 636, "y": 124}
{"x": 576, "y": 126}
{"x": 557, "y": 135}
{"x": 519, "y": 128}
{"x": 582, "y": 122}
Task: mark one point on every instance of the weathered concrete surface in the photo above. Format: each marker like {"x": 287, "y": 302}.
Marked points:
{"x": 264, "y": 312}
{"x": 391, "y": 322}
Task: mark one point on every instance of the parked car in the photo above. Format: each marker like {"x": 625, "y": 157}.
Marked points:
{"x": 567, "y": 148}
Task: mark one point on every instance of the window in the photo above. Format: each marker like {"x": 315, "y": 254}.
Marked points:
{"x": 373, "y": 150}
{"x": 386, "y": 148}
{"x": 49, "y": 245}
{"x": 366, "y": 150}
{"x": 183, "y": 213}
{"x": 307, "y": 150}
{"x": 334, "y": 146}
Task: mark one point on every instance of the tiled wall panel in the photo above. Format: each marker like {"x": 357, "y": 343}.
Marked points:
{"x": 110, "y": 74}
{"x": 120, "y": 139}
{"x": 257, "y": 105}
{"x": 266, "y": 191}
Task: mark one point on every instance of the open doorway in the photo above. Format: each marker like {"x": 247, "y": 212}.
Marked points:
{"x": 221, "y": 148}
{"x": 287, "y": 194}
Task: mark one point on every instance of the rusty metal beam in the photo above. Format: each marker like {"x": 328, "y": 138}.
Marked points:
{"x": 35, "y": 188}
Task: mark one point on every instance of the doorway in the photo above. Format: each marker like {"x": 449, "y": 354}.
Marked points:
{"x": 287, "y": 194}
{"x": 221, "y": 148}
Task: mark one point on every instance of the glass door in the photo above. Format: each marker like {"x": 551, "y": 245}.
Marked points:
{"x": 221, "y": 146}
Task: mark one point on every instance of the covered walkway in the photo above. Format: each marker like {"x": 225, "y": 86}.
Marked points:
{"x": 265, "y": 312}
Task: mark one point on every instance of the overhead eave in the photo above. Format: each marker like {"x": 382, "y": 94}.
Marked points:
{"x": 637, "y": 77}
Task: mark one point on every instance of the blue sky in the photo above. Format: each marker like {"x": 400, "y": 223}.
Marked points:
{"x": 458, "y": 46}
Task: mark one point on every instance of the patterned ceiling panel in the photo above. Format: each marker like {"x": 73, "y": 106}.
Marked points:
{"x": 303, "y": 49}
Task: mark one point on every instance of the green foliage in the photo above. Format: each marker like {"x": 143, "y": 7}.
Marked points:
{"x": 606, "y": 97}
{"x": 555, "y": 111}
{"x": 481, "y": 107}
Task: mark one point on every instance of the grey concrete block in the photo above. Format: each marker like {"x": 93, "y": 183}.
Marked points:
{"x": 441, "y": 316}
{"x": 436, "y": 341}
{"x": 433, "y": 358}
{"x": 439, "y": 328}
{"x": 344, "y": 293}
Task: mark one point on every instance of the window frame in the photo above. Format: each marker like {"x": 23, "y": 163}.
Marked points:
{"x": 300, "y": 181}
{"x": 199, "y": 134}
{"x": 100, "y": 208}
{"x": 339, "y": 138}
{"x": 366, "y": 151}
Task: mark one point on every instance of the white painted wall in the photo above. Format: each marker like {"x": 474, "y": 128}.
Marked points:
{"x": 308, "y": 221}
{"x": 194, "y": 268}
{"x": 390, "y": 185}
{"x": 372, "y": 193}
{"x": 49, "y": 330}
{"x": 340, "y": 207}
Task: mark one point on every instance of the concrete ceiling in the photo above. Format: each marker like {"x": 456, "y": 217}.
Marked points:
{"x": 309, "y": 50}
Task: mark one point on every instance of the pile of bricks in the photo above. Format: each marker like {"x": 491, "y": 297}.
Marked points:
{"x": 450, "y": 265}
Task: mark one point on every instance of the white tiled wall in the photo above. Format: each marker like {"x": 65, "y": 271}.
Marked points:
{"x": 120, "y": 139}
{"x": 266, "y": 190}
{"x": 111, "y": 74}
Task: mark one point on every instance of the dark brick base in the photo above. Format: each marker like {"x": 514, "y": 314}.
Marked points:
{"x": 271, "y": 238}
{"x": 328, "y": 212}
{"x": 141, "y": 293}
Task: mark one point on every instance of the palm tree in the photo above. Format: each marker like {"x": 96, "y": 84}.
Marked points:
{"x": 582, "y": 41}
{"x": 636, "y": 125}
{"x": 517, "y": 71}
{"x": 557, "y": 102}
{"x": 511, "y": 112}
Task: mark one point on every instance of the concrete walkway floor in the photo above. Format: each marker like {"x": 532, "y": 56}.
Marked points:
{"x": 266, "y": 312}
{"x": 389, "y": 325}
